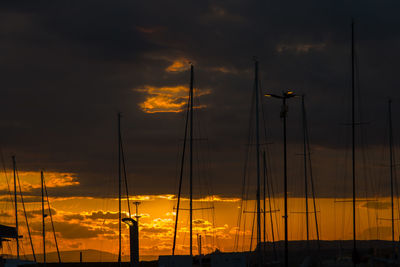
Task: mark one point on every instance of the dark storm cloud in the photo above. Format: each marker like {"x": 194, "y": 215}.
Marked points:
{"x": 74, "y": 230}
{"x": 75, "y": 216}
{"x": 68, "y": 67}
{"x": 100, "y": 215}
{"x": 36, "y": 213}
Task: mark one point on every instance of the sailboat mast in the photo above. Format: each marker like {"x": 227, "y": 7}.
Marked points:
{"x": 258, "y": 154}
{"x": 51, "y": 219}
{"x": 264, "y": 200}
{"x": 119, "y": 187}
{"x": 191, "y": 160}
{"x": 305, "y": 168}
{"x": 353, "y": 139}
{"x": 391, "y": 164}
{"x": 43, "y": 225}
{"x": 285, "y": 184}
{"x": 285, "y": 95}
{"x": 181, "y": 177}
{"x": 15, "y": 202}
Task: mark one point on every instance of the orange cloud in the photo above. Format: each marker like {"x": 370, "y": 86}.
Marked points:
{"x": 178, "y": 65}
{"x": 31, "y": 180}
{"x": 61, "y": 180}
{"x": 216, "y": 198}
{"x": 166, "y": 99}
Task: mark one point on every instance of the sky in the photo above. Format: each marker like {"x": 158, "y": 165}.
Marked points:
{"x": 68, "y": 68}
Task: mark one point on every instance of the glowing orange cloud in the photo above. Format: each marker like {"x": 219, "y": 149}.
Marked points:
{"x": 31, "y": 180}
{"x": 166, "y": 99}
{"x": 178, "y": 65}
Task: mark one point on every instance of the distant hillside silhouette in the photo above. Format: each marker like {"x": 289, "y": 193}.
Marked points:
{"x": 89, "y": 255}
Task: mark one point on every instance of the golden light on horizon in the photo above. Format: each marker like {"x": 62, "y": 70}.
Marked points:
{"x": 92, "y": 223}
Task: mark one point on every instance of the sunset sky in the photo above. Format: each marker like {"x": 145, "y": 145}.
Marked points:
{"x": 68, "y": 68}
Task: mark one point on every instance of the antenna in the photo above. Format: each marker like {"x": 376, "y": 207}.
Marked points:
{"x": 137, "y": 216}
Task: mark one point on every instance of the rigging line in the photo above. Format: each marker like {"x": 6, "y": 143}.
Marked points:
{"x": 264, "y": 198}
{"x": 203, "y": 170}
{"x": 8, "y": 184}
{"x": 16, "y": 204}
{"x": 119, "y": 193}
{"x": 51, "y": 220}
{"x": 246, "y": 173}
{"x": 396, "y": 187}
{"x": 344, "y": 177}
{"x": 388, "y": 134}
{"x": 181, "y": 176}
{"x": 265, "y": 233}
{"x": 265, "y": 120}
{"x": 270, "y": 208}
{"x": 191, "y": 160}
{"x": 244, "y": 228}
{"x": 43, "y": 216}
{"x": 264, "y": 168}
{"x": 26, "y": 217}
{"x": 310, "y": 171}
{"x": 353, "y": 143}
{"x": 395, "y": 176}
{"x": 5, "y": 174}
{"x": 341, "y": 173}
{"x": 305, "y": 171}
{"x": 237, "y": 235}
{"x": 252, "y": 228}
{"x": 258, "y": 162}
{"x": 199, "y": 175}
{"x": 364, "y": 147}
{"x": 125, "y": 176}
{"x": 381, "y": 184}
{"x": 204, "y": 166}
{"x": 247, "y": 193}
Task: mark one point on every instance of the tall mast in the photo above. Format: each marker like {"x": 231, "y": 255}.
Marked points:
{"x": 51, "y": 219}
{"x": 191, "y": 160}
{"x": 258, "y": 155}
{"x": 285, "y": 184}
{"x": 181, "y": 177}
{"x": 264, "y": 200}
{"x": 285, "y": 95}
{"x": 305, "y": 168}
{"x": 15, "y": 202}
{"x": 258, "y": 161}
{"x": 43, "y": 225}
{"x": 119, "y": 187}
{"x": 391, "y": 164}
{"x": 355, "y": 256}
